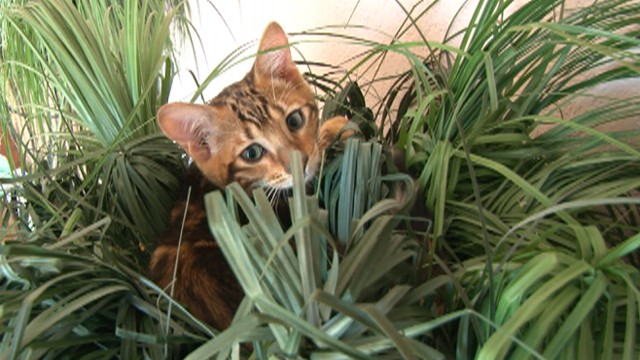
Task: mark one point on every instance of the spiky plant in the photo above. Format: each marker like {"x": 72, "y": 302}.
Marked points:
{"x": 532, "y": 252}
{"x": 83, "y": 82}
{"x": 533, "y": 205}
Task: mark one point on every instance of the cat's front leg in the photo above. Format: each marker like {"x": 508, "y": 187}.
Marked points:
{"x": 335, "y": 129}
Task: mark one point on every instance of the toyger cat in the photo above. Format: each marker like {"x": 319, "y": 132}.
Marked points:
{"x": 245, "y": 134}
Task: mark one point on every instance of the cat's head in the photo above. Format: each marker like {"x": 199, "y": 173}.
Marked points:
{"x": 247, "y": 132}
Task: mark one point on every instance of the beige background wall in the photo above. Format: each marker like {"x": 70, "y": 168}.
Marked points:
{"x": 381, "y": 19}
{"x": 246, "y": 20}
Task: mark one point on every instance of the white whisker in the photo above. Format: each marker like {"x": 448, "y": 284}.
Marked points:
{"x": 270, "y": 191}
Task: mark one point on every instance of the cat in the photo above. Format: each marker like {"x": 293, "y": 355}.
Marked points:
{"x": 245, "y": 135}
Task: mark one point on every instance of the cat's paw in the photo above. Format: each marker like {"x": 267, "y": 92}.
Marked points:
{"x": 336, "y": 129}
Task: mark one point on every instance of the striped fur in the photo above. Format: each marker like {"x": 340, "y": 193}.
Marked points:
{"x": 269, "y": 113}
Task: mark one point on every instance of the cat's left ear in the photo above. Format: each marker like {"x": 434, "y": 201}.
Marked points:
{"x": 274, "y": 57}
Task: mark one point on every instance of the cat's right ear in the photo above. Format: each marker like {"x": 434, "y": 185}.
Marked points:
{"x": 274, "y": 57}
{"x": 190, "y": 126}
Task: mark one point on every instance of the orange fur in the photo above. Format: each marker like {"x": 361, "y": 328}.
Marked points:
{"x": 268, "y": 113}
{"x": 254, "y": 111}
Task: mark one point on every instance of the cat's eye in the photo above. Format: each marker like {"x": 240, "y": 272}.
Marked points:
{"x": 252, "y": 153}
{"x": 295, "y": 120}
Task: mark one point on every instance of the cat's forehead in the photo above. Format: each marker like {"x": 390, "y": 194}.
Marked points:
{"x": 254, "y": 104}
{"x": 246, "y": 103}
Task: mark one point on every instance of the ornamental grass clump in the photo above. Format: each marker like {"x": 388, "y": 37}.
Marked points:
{"x": 454, "y": 228}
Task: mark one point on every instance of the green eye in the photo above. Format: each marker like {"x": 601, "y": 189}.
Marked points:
{"x": 252, "y": 153}
{"x": 295, "y": 120}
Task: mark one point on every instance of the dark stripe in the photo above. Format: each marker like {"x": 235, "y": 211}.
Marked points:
{"x": 278, "y": 108}
{"x": 248, "y": 133}
{"x": 313, "y": 110}
{"x": 231, "y": 171}
{"x": 265, "y": 106}
{"x": 242, "y": 116}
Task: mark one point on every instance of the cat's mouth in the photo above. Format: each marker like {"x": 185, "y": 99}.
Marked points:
{"x": 284, "y": 183}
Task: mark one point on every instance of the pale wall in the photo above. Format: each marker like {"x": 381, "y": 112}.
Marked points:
{"x": 246, "y": 20}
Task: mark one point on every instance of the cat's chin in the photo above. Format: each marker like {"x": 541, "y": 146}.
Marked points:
{"x": 308, "y": 176}
{"x": 284, "y": 185}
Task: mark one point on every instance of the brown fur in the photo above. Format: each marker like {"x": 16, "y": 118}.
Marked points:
{"x": 252, "y": 112}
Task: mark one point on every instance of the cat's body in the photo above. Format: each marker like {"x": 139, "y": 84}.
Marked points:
{"x": 244, "y": 135}
{"x": 204, "y": 282}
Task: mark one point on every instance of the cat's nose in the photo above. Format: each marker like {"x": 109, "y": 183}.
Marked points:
{"x": 304, "y": 158}
{"x": 285, "y": 159}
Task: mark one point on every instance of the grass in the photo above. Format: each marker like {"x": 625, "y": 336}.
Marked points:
{"x": 89, "y": 134}
{"x": 523, "y": 246}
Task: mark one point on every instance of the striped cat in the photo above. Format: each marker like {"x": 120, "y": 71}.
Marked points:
{"x": 244, "y": 135}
